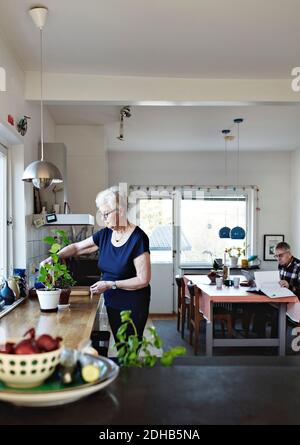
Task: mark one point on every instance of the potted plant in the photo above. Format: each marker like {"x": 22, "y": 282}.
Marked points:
{"x": 213, "y": 274}
{"x": 48, "y": 276}
{"x": 54, "y": 275}
{"x": 234, "y": 254}
{"x": 140, "y": 353}
{"x": 65, "y": 283}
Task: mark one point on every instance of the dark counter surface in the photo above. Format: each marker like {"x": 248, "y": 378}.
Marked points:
{"x": 232, "y": 390}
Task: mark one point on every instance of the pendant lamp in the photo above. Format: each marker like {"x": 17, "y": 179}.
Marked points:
{"x": 224, "y": 232}
{"x": 238, "y": 232}
{"x": 41, "y": 173}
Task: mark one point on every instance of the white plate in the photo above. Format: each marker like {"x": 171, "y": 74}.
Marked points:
{"x": 60, "y": 397}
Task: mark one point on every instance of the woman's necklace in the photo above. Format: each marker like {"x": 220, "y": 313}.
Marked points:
{"x": 123, "y": 233}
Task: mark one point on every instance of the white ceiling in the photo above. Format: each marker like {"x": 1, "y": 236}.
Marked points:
{"x": 189, "y": 128}
{"x": 177, "y": 38}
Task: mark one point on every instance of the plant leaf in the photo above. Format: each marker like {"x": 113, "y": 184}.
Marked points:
{"x": 55, "y": 248}
{"x": 49, "y": 240}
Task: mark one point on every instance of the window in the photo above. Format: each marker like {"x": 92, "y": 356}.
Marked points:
{"x": 3, "y": 210}
{"x": 201, "y": 220}
{"x": 156, "y": 221}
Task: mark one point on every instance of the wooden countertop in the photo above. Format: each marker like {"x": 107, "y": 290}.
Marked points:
{"x": 72, "y": 324}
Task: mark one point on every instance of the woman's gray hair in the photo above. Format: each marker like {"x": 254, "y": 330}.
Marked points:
{"x": 112, "y": 197}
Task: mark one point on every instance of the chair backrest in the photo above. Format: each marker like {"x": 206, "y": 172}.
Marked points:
{"x": 179, "y": 281}
{"x": 191, "y": 288}
{"x": 180, "y": 290}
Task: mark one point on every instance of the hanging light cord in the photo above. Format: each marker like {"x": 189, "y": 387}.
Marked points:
{"x": 42, "y": 113}
{"x": 237, "y": 171}
{"x": 226, "y": 177}
{"x": 238, "y": 156}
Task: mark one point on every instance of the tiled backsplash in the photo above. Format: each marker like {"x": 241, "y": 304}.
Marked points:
{"x": 37, "y": 250}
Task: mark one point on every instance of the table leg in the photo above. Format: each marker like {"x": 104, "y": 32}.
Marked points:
{"x": 209, "y": 333}
{"x": 282, "y": 328}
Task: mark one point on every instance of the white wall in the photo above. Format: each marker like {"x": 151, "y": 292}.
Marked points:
{"x": 270, "y": 171}
{"x": 86, "y": 164}
{"x": 13, "y": 102}
{"x": 295, "y": 201}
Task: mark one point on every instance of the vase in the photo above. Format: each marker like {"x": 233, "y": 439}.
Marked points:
{"x": 233, "y": 261}
{"x": 13, "y": 284}
{"x": 7, "y": 294}
{"x": 21, "y": 273}
{"x": 48, "y": 299}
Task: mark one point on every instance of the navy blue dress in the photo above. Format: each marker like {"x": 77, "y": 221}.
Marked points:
{"x": 116, "y": 263}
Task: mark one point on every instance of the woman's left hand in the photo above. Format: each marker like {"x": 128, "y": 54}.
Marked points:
{"x": 99, "y": 287}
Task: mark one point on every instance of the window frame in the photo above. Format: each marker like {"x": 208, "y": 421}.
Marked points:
{"x": 249, "y": 194}
{"x": 3, "y": 225}
{"x": 138, "y": 216}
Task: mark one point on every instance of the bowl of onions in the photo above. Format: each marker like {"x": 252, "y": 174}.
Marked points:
{"x": 29, "y": 361}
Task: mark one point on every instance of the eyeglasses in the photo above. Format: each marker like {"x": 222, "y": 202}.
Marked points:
{"x": 280, "y": 255}
{"x": 106, "y": 214}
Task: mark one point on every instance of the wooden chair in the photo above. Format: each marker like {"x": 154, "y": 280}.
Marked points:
{"x": 195, "y": 315}
{"x": 220, "y": 314}
{"x": 183, "y": 305}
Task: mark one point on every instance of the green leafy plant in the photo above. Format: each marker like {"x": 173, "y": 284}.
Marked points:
{"x": 66, "y": 281}
{"x": 55, "y": 275}
{"x": 60, "y": 237}
{"x": 129, "y": 347}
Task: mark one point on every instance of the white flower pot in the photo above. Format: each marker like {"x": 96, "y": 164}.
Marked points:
{"x": 233, "y": 261}
{"x": 48, "y": 299}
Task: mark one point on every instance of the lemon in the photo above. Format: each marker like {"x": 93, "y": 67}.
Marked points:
{"x": 90, "y": 373}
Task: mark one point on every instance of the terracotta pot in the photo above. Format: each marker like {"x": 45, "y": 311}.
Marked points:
{"x": 64, "y": 297}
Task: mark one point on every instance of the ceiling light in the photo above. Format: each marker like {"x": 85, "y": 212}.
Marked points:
{"x": 124, "y": 112}
{"x": 41, "y": 173}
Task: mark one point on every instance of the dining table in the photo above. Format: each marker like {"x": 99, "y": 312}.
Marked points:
{"x": 210, "y": 295}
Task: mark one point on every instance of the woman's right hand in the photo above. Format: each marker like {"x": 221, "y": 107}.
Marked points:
{"x": 46, "y": 261}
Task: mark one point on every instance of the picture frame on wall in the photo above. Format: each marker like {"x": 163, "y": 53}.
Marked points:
{"x": 270, "y": 242}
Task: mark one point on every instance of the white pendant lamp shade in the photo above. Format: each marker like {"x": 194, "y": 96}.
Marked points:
{"x": 41, "y": 173}
{"x": 39, "y": 15}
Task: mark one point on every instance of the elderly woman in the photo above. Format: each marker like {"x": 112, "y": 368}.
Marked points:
{"x": 124, "y": 260}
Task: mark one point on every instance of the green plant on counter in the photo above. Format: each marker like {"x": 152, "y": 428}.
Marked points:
{"x": 60, "y": 237}
{"x": 129, "y": 347}
{"x": 51, "y": 272}
{"x": 56, "y": 275}
{"x": 66, "y": 281}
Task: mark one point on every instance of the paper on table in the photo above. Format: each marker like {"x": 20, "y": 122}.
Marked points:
{"x": 268, "y": 283}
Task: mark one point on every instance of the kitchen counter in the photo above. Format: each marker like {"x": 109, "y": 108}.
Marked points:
{"x": 197, "y": 390}
{"x": 72, "y": 324}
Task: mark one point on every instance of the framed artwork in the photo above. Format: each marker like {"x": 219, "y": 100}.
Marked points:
{"x": 270, "y": 242}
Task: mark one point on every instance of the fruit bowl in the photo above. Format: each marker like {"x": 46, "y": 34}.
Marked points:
{"x": 28, "y": 370}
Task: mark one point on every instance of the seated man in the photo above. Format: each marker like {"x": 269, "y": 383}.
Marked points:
{"x": 289, "y": 272}
{"x": 289, "y": 268}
